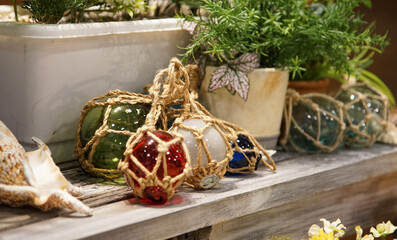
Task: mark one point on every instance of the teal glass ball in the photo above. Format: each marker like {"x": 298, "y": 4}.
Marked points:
{"x": 111, "y": 146}
{"x": 318, "y": 125}
{"x": 365, "y": 113}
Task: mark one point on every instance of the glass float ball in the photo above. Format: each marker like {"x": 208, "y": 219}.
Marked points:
{"x": 212, "y": 139}
{"x": 358, "y": 110}
{"x": 310, "y": 121}
{"x": 155, "y": 195}
{"x": 110, "y": 149}
{"x": 209, "y": 181}
{"x": 145, "y": 151}
{"x": 239, "y": 160}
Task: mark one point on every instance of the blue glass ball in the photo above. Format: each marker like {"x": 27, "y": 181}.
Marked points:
{"x": 239, "y": 160}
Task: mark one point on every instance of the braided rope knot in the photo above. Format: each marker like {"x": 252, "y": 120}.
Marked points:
{"x": 123, "y": 166}
{"x": 162, "y": 147}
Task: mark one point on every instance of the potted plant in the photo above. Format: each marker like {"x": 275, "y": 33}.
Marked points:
{"x": 278, "y": 36}
{"x": 358, "y": 64}
{"x": 49, "y": 71}
{"x": 340, "y": 44}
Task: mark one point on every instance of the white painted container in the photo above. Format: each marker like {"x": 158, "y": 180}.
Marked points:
{"x": 261, "y": 114}
{"x": 48, "y": 72}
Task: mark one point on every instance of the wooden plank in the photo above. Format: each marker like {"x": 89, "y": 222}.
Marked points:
{"x": 301, "y": 177}
{"x": 96, "y": 192}
{"x": 366, "y": 203}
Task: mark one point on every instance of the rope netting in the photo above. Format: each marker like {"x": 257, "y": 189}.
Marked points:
{"x": 363, "y": 99}
{"x": 146, "y": 162}
{"x": 170, "y": 89}
{"x": 85, "y": 152}
{"x": 208, "y": 170}
{"x": 320, "y": 110}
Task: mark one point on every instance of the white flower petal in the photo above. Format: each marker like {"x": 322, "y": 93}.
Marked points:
{"x": 339, "y": 232}
{"x": 375, "y": 232}
{"x": 368, "y": 237}
{"x": 335, "y": 223}
{"x": 390, "y": 228}
{"x": 327, "y": 225}
{"x": 325, "y": 221}
{"x": 314, "y": 230}
{"x": 359, "y": 232}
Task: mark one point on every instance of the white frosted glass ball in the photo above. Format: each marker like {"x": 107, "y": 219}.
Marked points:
{"x": 212, "y": 139}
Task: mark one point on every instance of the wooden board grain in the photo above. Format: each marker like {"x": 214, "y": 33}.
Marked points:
{"x": 96, "y": 192}
{"x": 365, "y": 203}
{"x": 298, "y": 177}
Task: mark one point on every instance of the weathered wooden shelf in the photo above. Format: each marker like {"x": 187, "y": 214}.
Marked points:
{"x": 358, "y": 186}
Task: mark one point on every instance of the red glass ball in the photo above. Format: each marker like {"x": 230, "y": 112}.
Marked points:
{"x": 155, "y": 195}
{"x": 145, "y": 151}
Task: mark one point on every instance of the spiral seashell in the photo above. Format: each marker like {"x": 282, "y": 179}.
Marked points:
{"x": 11, "y": 153}
{"x": 32, "y": 178}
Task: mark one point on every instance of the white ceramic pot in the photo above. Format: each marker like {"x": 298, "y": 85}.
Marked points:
{"x": 48, "y": 72}
{"x": 261, "y": 114}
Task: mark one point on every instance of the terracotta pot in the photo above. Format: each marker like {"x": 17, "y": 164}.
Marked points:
{"x": 262, "y": 112}
{"x": 303, "y": 87}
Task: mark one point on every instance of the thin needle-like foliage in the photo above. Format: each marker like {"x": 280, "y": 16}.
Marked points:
{"x": 312, "y": 39}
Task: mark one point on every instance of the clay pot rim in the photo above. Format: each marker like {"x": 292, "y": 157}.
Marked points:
{"x": 309, "y": 84}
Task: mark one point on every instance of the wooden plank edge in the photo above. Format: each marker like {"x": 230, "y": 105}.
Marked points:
{"x": 118, "y": 218}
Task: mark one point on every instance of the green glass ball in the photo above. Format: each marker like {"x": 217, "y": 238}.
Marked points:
{"x": 110, "y": 149}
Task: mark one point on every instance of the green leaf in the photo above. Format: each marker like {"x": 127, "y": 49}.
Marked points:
{"x": 375, "y": 81}
{"x": 221, "y": 77}
{"x": 130, "y": 13}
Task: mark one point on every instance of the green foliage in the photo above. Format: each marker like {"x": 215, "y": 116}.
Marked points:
{"x": 131, "y": 6}
{"x": 190, "y": 3}
{"x": 14, "y": 4}
{"x": 226, "y": 29}
{"x": 51, "y": 11}
{"x": 360, "y": 62}
{"x": 376, "y": 82}
{"x": 287, "y": 33}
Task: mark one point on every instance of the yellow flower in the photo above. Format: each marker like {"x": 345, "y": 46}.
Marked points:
{"x": 383, "y": 229}
{"x": 359, "y": 234}
{"x": 323, "y": 236}
{"x": 334, "y": 227}
{"x": 314, "y": 230}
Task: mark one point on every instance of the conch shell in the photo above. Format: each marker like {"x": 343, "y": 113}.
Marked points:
{"x": 32, "y": 178}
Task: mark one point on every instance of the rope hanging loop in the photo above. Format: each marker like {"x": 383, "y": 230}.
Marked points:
{"x": 155, "y": 161}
